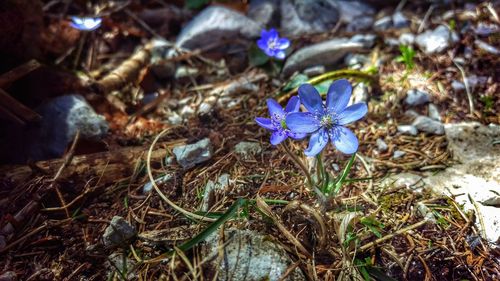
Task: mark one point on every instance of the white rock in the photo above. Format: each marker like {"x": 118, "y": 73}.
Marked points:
{"x": 359, "y": 94}
{"x": 381, "y": 145}
{"x": 486, "y": 47}
{"x": 398, "y": 154}
{"x": 406, "y": 39}
{"x": 399, "y": 20}
{"x": 478, "y": 175}
{"x": 433, "y": 112}
{"x": 190, "y": 155}
{"x": 408, "y": 130}
{"x": 437, "y": 40}
{"x": 248, "y": 256}
{"x": 211, "y": 189}
{"x": 382, "y": 24}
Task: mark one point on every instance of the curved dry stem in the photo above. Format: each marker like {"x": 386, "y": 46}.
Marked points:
{"x": 157, "y": 189}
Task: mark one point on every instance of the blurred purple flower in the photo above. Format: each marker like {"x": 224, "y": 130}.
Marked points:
{"x": 277, "y": 122}
{"x": 85, "y": 23}
{"x": 272, "y": 44}
{"x": 326, "y": 122}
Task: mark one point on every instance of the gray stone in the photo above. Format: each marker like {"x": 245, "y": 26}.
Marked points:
{"x": 425, "y": 212}
{"x": 213, "y": 25}
{"x": 368, "y": 40}
{"x": 119, "y": 261}
{"x": 406, "y": 39}
{"x": 62, "y": 117}
{"x": 211, "y": 189}
{"x": 484, "y": 29}
{"x": 353, "y": 10}
{"x": 161, "y": 180}
{"x": 408, "y": 130}
{"x": 398, "y": 154}
{"x": 264, "y": 12}
{"x": 486, "y": 47}
{"x": 399, "y": 20}
{"x": 412, "y": 114}
{"x": 247, "y": 150}
{"x": 416, "y": 97}
{"x": 382, "y": 24}
{"x": 355, "y": 61}
{"x": 433, "y": 112}
{"x": 248, "y": 256}
{"x": 299, "y": 17}
{"x": 457, "y": 86}
{"x": 392, "y": 42}
{"x": 118, "y": 233}
{"x": 437, "y": 40}
{"x": 356, "y": 14}
{"x": 361, "y": 24}
{"x": 381, "y": 145}
{"x": 324, "y": 53}
{"x": 428, "y": 125}
{"x": 175, "y": 119}
{"x": 190, "y": 155}
{"x": 314, "y": 70}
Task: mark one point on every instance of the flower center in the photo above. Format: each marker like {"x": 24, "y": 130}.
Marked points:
{"x": 327, "y": 121}
{"x": 272, "y": 43}
{"x": 283, "y": 124}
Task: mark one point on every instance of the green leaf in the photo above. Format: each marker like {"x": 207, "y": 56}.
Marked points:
{"x": 374, "y": 225}
{"x": 196, "y": 4}
{"x": 295, "y": 82}
{"x": 212, "y": 227}
{"x": 322, "y": 87}
{"x": 341, "y": 179}
{"x": 256, "y": 56}
{"x": 362, "y": 269}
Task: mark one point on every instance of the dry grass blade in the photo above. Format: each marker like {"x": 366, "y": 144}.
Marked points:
{"x": 157, "y": 189}
{"x": 262, "y": 205}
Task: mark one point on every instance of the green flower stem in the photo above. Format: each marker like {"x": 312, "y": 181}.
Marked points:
{"x": 320, "y": 169}
{"x": 299, "y": 163}
{"x": 337, "y": 74}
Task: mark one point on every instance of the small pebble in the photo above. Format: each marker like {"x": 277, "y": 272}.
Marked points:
{"x": 428, "y": 125}
{"x": 416, "y": 97}
{"x": 408, "y": 130}
{"x": 399, "y": 20}
{"x": 381, "y": 145}
{"x": 433, "y": 112}
{"x": 398, "y": 154}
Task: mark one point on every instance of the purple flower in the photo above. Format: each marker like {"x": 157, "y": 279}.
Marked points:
{"x": 326, "y": 122}
{"x": 85, "y": 23}
{"x": 277, "y": 122}
{"x": 272, "y": 44}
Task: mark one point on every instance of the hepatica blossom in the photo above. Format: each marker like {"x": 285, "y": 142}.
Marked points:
{"x": 276, "y": 123}
{"x": 272, "y": 44}
{"x": 326, "y": 121}
{"x": 85, "y": 23}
